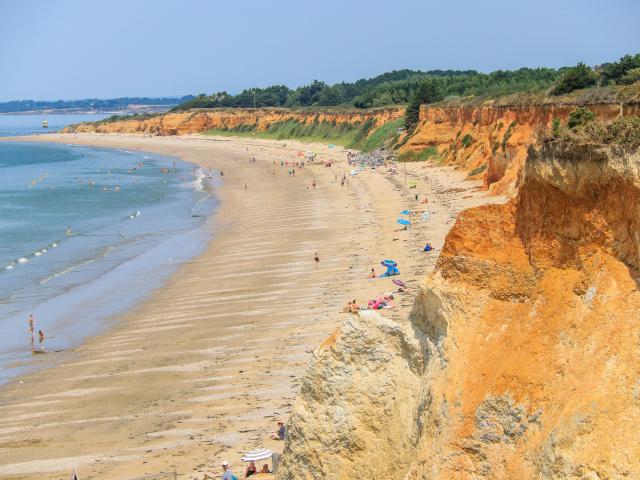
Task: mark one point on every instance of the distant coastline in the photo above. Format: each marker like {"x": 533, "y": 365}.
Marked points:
{"x": 85, "y": 111}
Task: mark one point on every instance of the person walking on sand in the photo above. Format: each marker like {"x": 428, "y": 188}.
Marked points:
{"x": 31, "y": 330}
{"x": 316, "y": 259}
{"x": 245, "y": 186}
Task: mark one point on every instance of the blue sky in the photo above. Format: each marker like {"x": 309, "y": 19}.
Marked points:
{"x": 78, "y": 49}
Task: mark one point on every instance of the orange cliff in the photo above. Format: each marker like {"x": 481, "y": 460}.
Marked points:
{"x": 520, "y": 359}
{"x": 488, "y": 142}
{"x": 491, "y": 142}
{"x": 196, "y": 121}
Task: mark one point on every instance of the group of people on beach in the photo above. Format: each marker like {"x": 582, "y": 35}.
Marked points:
{"x": 252, "y": 469}
{"x": 31, "y": 330}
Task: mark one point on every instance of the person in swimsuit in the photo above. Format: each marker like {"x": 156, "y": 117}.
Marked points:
{"x": 251, "y": 470}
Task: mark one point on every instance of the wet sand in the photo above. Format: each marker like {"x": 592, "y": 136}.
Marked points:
{"x": 202, "y": 370}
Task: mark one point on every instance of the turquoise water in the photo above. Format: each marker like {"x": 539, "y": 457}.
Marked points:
{"x": 85, "y": 233}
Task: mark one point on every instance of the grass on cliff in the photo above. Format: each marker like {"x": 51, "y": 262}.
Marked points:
{"x": 583, "y": 126}
{"x": 359, "y": 135}
{"x": 420, "y": 156}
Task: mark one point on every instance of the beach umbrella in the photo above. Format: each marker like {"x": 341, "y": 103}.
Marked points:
{"x": 405, "y": 212}
{"x": 399, "y": 283}
{"x": 257, "y": 454}
{"x": 404, "y": 222}
{"x": 388, "y": 263}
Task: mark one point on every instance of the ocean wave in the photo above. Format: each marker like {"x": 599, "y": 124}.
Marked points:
{"x": 66, "y": 270}
{"x": 199, "y": 183}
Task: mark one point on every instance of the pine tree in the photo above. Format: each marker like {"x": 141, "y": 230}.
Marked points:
{"x": 426, "y": 92}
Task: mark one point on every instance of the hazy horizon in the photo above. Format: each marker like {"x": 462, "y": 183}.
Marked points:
{"x": 75, "y": 50}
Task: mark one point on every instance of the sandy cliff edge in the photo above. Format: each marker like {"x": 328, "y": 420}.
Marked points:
{"x": 520, "y": 358}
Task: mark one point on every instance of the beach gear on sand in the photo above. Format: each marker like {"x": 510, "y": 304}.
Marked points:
{"x": 427, "y": 248}
{"x": 405, "y": 212}
{"x": 403, "y": 221}
{"x": 399, "y": 283}
{"x": 257, "y": 454}
{"x": 392, "y": 268}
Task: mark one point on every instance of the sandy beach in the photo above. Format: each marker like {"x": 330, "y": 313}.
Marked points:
{"x": 202, "y": 369}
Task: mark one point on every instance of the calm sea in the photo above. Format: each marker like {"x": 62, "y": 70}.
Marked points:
{"x": 25, "y": 124}
{"x": 85, "y": 234}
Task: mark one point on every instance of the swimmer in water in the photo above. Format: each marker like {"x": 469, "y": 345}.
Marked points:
{"x": 31, "y": 330}
{"x": 40, "y": 336}
{"x": 69, "y": 232}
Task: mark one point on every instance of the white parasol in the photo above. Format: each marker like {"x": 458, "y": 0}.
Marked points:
{"x": 257, "y": 454}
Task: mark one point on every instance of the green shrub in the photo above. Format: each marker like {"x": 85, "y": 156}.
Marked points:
{"x": 623, "y": 131}
{"x": 466, "y": 140}
{"x": 632, "y": 76}
{"x": 507, "y": 134}
{"x": 555, "y": 127}
{"x": 478, "y": 170}
{"x": 575, "y": 78}
{"x": 579, "y": 117}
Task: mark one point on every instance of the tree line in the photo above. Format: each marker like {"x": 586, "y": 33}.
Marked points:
{"x": 88, "y": 103}
{"x": 415, "y": 87}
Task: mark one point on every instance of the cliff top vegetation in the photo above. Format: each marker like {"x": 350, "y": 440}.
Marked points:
{"x": 526, "y": 85}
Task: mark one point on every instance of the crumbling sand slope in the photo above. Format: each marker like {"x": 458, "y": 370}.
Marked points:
{"x": 521, "y": 359}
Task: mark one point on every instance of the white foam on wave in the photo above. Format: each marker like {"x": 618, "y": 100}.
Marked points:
{"x": 37, "y": 254}
{"x": 9, "y": 267}
{"x": 198, "y": 183}
{"x": 23, "y": 260}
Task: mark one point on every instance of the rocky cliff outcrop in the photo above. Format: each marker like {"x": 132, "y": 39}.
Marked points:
{"x": 491, "y": 142}
{"x": 521, "y": 357}
{"x": 180, "y": 123}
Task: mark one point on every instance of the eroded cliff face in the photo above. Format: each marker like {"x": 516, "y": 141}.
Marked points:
{"x": 181, "y": 123}
{"x": 521, "y": 358}
{"x": 491, "y": 142}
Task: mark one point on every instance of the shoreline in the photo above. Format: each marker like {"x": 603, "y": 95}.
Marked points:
{"x": 72, "y": 293}
{"x": 203, "y": 369}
